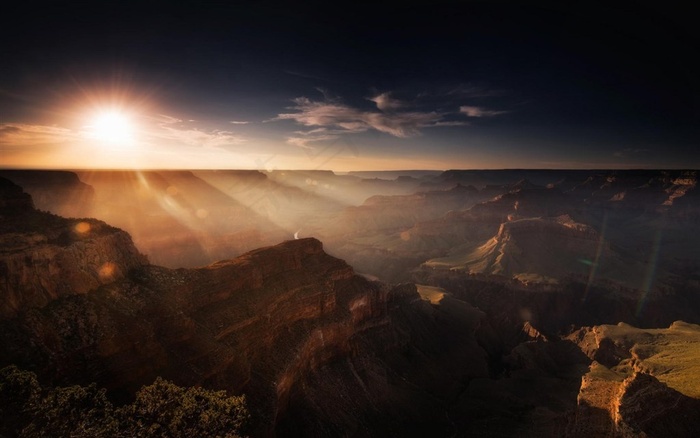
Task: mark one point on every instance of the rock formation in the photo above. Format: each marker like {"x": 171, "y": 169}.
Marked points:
{"x": 639, "y": 383}
{"x": 314, "y": 346}
{"x": 321, "y": 351}
{"x": 45, "y": 257}
{"x": 544, "y": 250}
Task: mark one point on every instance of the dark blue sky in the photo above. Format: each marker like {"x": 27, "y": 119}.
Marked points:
{"x": 351, "y": 86}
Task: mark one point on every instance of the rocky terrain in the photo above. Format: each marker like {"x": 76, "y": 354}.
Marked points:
{"x": 642, "y": 220}
{"x": 639, "y": 383}
{"x": 322, "y": 351}
{"x": 544, "y": 250}
{"x": 387, "y": 223}
{"x": 293, "y": 328}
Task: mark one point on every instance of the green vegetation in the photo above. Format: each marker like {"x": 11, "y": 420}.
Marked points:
{"x": 672, "y": 355}
{"x": 162, "y": 409}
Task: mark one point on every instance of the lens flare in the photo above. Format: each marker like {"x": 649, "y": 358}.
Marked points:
{"x": 595, "y": 264}
{"x": 651, "y": 272}
{"x": 82, "y": 227}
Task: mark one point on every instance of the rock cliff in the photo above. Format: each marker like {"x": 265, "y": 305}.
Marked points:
{"x": 640, "y": 383}
{"x": 315, "y": 347}
{"x": 44, "y": 257}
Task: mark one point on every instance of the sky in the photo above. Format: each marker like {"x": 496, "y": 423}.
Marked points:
{"x": 348, "y": 86}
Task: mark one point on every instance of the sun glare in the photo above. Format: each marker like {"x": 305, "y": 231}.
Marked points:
{"x": 112, "y": 126}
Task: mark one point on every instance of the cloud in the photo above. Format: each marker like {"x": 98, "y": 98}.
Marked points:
{"x": 329, "y": 117}
{"x": 449, "y": 123}
{"x": 17, "y": 135}
{"x": 303, "y": 142}
{"x": 238, "y": 122}
{"x": 345, "y": 119}
{"x": 385, "y": 102}
{"x": 196, "y": 137}
{"x": 477, "y": 111}
{"x": 38, "y": 145}
{"x": 9, "y": 130}
{"x": 174, "y": 130}
{"x": 162, "y": 119}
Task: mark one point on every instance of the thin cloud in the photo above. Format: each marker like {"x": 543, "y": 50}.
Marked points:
{"x": 172, "y": 129}
{"x": 9, "y": 130}
{"x": 25, "y": 135}
{"x": 239, "y": 122}
{"x": 39, "y": 145}
{"x": 477, "y": 111}
{"x": 196, "y": 137}
{"x": 162, "y": 119}
{"x": 449, "y": 123}
{"x": 327, "y": 95}
{"x": 385, "y": 102}
{"x": 351, "y": 120}
{"x": 303, "y": 142}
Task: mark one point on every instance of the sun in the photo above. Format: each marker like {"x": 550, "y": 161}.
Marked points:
{"x": 112, "y": 126}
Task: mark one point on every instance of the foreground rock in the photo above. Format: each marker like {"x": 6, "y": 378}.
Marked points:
{"x": 643, "y": 382}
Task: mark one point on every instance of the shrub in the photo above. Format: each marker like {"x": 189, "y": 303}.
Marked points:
{"x": 162, "y": 409}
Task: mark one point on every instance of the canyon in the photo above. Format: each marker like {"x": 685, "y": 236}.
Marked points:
{"x": 321, "y": 350}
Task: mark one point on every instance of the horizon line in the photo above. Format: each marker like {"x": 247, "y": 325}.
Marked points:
{"x": 155, "y": 169}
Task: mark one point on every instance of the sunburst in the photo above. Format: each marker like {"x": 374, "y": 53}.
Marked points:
{"x": 111, "y": 126}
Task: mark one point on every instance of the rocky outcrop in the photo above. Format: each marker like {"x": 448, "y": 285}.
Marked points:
{"x": 44, "y": 257}
{"x": 636, "y": 406}
{"x": 35, "y": 270}
{"x": 292, "y": 327}
{"x": 649, "y": 407}
{"x": 641, "y": 382}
